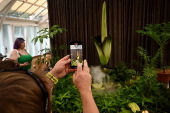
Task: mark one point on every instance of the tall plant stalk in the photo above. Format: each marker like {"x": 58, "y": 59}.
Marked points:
{"x": 104, "y": 23}
{"x": 103, "y": 45}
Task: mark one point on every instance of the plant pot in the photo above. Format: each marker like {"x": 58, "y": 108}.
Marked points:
{"x": 164, "y": 78}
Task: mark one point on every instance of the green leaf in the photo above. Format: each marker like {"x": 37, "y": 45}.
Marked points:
{"x": 104, "y": 22}
{"x": 134, "y": 107}
{"x": 107, "y": 47}
{"x": 41, "y": 39}
{"x": 60, "y": 30}
{"x": 125, "y": 111}
{"x": 55, "y": 32}
{"x": 35, "y": 41}
{"x": 51, "y": 34}
{"x": 47, "y": 33}
{"x": 100, "y": 53}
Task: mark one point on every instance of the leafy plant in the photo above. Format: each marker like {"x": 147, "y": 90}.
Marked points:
{"x": 57, "y": 54}
{"x": 121, "y": 74}
{"x": 164, "y": 68}
{"x": 103, "y": 43}
{"x": 48, "y": 33}
{"x": 48, "y": 60}
{"x": 135, "y": 92}
{"x": 66, "y": 97}
{"x": 160, "y": 33}
{"x": 143, "y": 92}
{"x": 149, "y": 62}
{"x": 153, "y": 87}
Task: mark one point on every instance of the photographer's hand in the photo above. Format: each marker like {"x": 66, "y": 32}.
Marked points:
{"x": 62, "y": 67}
{"x": 82, "y": 80}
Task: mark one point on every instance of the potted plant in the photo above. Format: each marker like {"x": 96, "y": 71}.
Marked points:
{"x": 160, "y": 33}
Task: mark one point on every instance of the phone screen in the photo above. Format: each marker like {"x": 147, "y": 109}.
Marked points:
{"x": 76, "y": 53}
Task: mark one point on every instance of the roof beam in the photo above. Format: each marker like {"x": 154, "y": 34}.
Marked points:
{"x": 20, "y": 22}
{"x": 34, "y": 4}
{"x": 37, "y": 8}
{"x": 6, "y": 12}
{"x": 28, "y": 8}
{"x": 38, "y": 13}
{"x": 16, "y": 9}
{"x": 3, "y": 4}
{"x": 43, "y": 19}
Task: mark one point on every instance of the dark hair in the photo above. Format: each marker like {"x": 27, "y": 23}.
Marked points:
{"x": 20, "y": 92}
{"x": 8, "y": 64}
{"x": 17, "y": 43}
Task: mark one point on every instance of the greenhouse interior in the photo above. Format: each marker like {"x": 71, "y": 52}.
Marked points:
{"x": 47, "y": 65}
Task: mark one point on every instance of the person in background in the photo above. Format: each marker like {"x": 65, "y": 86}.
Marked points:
{"x": 20, "y": 55}
{"x": 21, "y": 92}
{"x": 2, "y": 56}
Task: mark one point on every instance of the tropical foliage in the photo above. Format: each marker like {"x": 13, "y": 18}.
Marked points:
{"x": 133, "y": 92}
{"x": 48, "y": 33}
{"x": 160, "y": 33}
{"x": 103, "y": 43}
{"x": 142, "y": 93}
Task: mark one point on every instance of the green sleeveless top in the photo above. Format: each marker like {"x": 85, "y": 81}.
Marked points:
{"x": 25, "y": 58}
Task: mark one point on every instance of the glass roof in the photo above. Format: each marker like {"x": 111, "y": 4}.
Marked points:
{"x": 28, "y": 9}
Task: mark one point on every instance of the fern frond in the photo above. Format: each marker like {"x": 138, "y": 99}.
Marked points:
{"x": 155, "y": 60}
{"x": 143, "y": 53}
{"x": 138, "y": 63}
{"x": 149, "y": 72}
{"x": 133, "y": 72}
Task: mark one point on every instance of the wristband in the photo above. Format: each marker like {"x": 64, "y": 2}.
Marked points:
{"x": 52, "y": 77}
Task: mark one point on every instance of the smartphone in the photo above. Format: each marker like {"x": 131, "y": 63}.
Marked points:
{"x": 76, "y": 53}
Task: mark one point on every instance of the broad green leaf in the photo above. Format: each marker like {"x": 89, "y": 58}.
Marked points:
{"x": 55, "y": 32}
{"x": 125, "y": 111}
{"x": 47, "y": 33}
{"x": 100, "y": 53}
{"x": 107, "y": 47}
{"x": 41, "y": 39}
{"x": 35, "y": 41}
{"x": 134, "y": 107}
{"x": 51, "y": 34}
{"x": 60, "y": 30}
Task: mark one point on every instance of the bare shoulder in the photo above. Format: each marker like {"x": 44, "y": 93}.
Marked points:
{"x": 14, "y": 52}
{"x": 14, "y": 55}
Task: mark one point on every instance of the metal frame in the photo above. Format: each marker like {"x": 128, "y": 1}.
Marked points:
{"x": 32, "y": 4}
{"x": 28, "y": 8}
{"x": 38, "y": 8}
{"x": 6, "y": 9}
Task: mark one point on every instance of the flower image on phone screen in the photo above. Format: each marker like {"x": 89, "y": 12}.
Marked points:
{"x": 76, "y": 53}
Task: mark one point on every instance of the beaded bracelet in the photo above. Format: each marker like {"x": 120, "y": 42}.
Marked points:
{"x": 52, "y": 78}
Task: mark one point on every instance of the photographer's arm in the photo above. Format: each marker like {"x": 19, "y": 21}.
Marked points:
{"x": 82, "y": 80}
{"x": 89, "y": 105}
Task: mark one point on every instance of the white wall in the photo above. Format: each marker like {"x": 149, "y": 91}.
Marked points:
{"x": 10, "y": 32}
